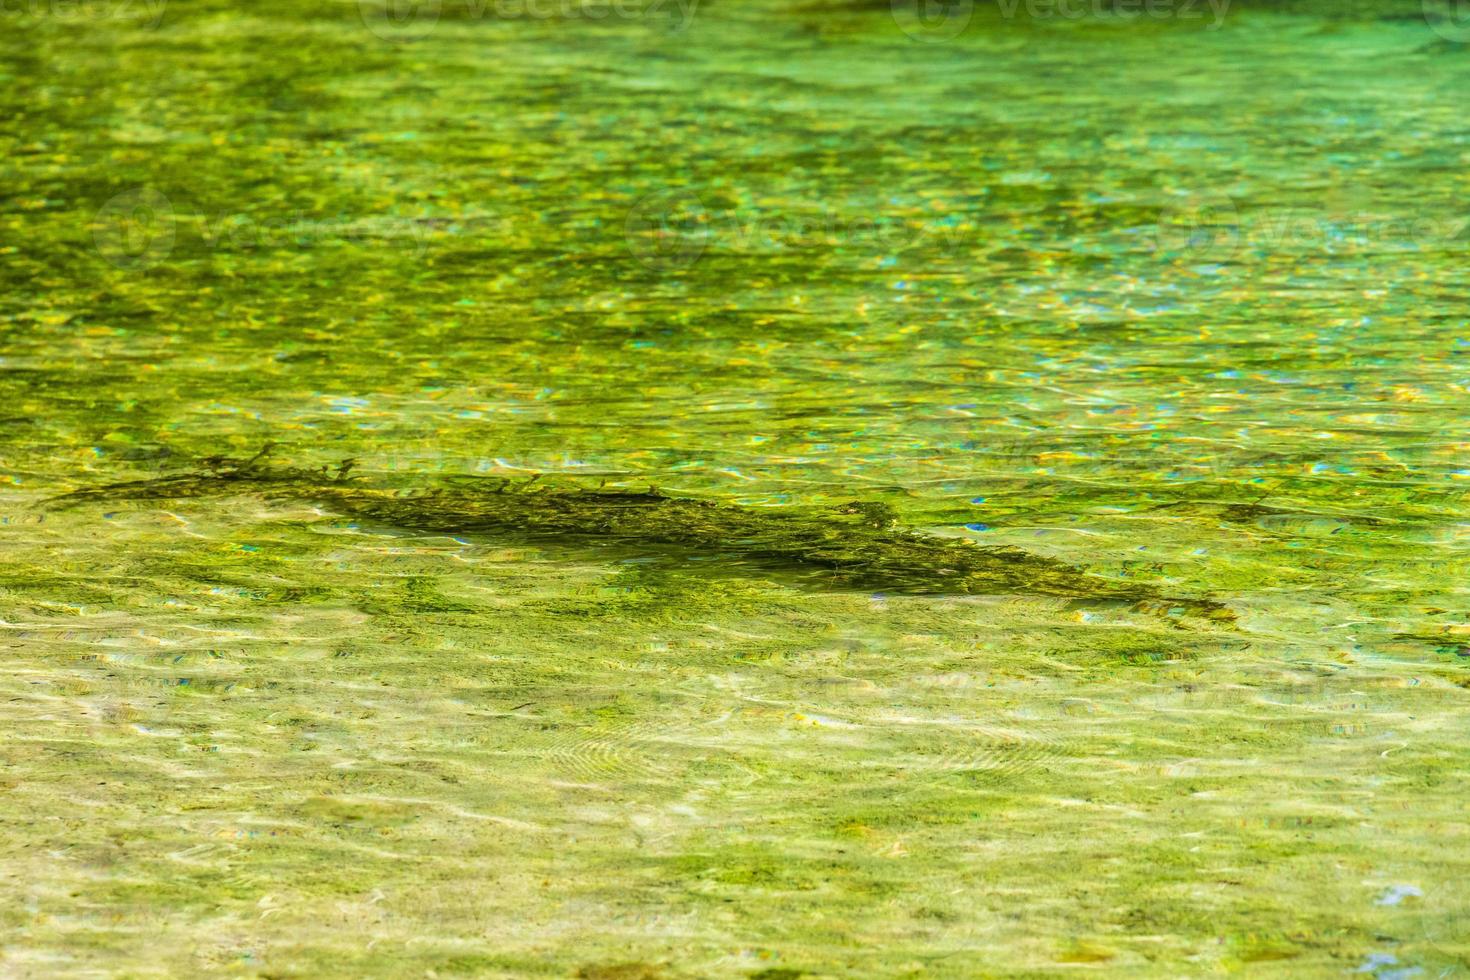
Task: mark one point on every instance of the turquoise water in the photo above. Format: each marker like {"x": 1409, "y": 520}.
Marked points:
{"x": 1176, "y": 304}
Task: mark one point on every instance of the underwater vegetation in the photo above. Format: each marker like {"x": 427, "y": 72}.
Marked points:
{"x": 1164, "y": 305}
{"x": 856, "y": 545}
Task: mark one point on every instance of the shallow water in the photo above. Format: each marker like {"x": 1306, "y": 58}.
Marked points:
{"x": 1180, "y": 306}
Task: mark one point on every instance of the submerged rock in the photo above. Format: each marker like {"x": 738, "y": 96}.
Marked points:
{"x": 857, "y": 545}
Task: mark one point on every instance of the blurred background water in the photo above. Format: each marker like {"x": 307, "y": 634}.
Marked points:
{"x": 1177, "y": 299}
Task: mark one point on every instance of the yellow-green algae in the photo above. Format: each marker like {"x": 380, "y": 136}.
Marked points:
{"x": 254, "y": 737}
{"x": 857, "y": 544}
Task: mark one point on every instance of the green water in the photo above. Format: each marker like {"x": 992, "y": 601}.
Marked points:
{"x": 1180, "y": 306}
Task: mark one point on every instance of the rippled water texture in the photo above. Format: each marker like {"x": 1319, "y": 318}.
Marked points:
{"x": 1177, "y": 303}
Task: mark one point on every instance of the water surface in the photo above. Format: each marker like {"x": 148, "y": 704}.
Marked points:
{"x": 1180, "y": 306}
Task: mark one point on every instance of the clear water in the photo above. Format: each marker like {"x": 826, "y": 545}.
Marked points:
{"x": 1178, "y": 305}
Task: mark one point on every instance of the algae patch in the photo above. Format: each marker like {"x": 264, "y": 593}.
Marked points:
{"x": 857, "y": 545}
